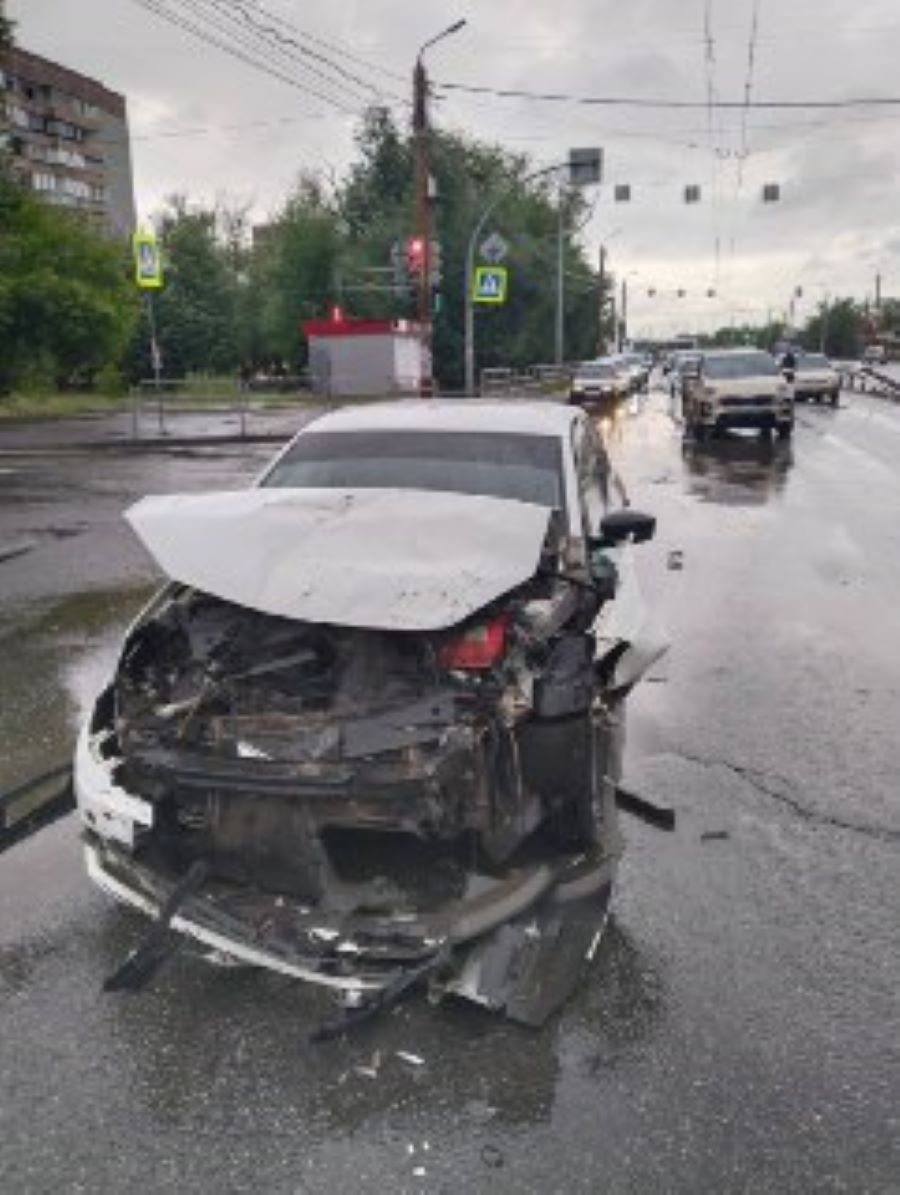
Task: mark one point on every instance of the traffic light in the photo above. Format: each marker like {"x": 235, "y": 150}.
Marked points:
{"x": 415, "y": 255}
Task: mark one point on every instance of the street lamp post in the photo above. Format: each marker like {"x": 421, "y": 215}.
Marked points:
{"x": 423, "y": 202}
{"x": 489, "y": 210}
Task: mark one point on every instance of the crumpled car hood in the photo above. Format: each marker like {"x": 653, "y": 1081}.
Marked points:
{"x": 395, "y": 560}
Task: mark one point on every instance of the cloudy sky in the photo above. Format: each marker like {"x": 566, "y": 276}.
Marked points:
{"x": 208, "y": 125}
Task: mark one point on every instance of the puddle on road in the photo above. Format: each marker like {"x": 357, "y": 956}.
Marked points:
{"x": 56, "y": 657}
{"x": 737, "y": 470}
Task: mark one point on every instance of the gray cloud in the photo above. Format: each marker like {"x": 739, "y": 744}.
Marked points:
{"x": 836, "y": 222}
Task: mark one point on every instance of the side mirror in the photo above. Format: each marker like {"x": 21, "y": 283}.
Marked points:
{"x": 625, "y": 524}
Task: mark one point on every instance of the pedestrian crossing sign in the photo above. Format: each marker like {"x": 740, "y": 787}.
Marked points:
{"x": 490, "y": 284}
{"x": 148, "y": 272}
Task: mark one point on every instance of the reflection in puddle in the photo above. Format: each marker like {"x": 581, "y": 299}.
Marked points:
{"x": 55, "y": 662}
{"x": 737, "y": 470}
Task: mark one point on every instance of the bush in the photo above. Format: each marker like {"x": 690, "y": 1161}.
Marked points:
{"x": 110, "y": 381}
{"x": 36, "y": 376}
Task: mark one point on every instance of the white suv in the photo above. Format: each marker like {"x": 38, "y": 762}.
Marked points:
{"x": 738, "y": 388}
{"x": 816, "y": 378}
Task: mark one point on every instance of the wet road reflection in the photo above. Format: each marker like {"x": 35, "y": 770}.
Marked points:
{"x": 737, "y": 470}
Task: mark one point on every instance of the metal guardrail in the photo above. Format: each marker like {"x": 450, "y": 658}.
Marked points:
{"x": 536, "y": 380}
{"x": 867, "y": 380}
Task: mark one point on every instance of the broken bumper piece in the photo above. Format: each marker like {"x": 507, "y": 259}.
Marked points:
{"x": 518, "y": 944}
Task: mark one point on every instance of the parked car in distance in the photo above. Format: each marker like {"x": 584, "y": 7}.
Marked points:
{"x": 635, "y": 369}
{"x": 595, "y": 382}
{"x": 816, "y": 378}
{"x": 875, "y": 354}
{"x": 375, "y": 715}
{"x": 738, "y": 388}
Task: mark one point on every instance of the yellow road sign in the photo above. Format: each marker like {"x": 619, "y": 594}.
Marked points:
{"x": 490, "y": 284}
{"x": 147, "y": 261}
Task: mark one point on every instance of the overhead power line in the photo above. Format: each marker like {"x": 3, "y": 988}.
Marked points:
{"x": 227, "y": 23}
{"x": 333, "y": 47}
{"x": 556, "y": 97}
{"x": 748, "y": 90}
{"x": 272, "y": 33}
{"x": 204, "y": 35}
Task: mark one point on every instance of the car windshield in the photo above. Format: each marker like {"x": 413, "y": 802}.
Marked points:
{"x": 527, "y": 468}
{"x": 741, "y": 365}
{"x": 814, "y": 361}
{"x": 596, "y": 370}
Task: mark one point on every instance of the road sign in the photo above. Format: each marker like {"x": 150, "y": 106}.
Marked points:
{"x": 490, "y": 284}
{"x": 147, "y": 261}
{"x": 494, "y": 249}
{"x": 585, "y": 167}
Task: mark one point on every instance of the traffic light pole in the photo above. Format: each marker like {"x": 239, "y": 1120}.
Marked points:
{"x": 423, "y": 202}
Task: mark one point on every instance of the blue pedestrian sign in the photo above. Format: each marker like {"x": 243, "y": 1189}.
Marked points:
{"x": 490, "y": 284}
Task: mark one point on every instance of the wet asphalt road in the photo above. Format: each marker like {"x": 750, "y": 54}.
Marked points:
{"x": 740, "y": 1028}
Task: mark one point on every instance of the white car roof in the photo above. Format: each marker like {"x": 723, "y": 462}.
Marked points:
{"x": 538, "y": 418}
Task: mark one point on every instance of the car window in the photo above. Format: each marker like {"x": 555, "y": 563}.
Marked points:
{"x": 740, "y": 365}
{"x": 596, "y": 371}
{"x": 814, "y": 361}
{"x": 524, "y": 467}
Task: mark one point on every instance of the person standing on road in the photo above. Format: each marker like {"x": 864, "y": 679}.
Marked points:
{"x": 789, "y": 365}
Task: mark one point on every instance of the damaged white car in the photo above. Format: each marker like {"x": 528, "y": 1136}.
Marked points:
{"x": 370, "y": 731}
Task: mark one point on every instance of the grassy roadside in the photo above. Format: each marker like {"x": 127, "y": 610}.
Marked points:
{"x": 75, "y": 406}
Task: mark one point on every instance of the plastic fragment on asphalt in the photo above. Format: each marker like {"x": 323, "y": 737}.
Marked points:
{"x": 676, "y": 559}
{"x": 595, "y": 942}
{"x": 714, "y": 836}
{"x": 323, "y": 934}
{"x": 412, "y": 1059}
{"x": 491, "y": 1156}
{"x": 420, "y": 1172}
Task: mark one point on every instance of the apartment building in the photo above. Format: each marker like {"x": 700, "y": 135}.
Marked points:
{"x": 67, "y": 136}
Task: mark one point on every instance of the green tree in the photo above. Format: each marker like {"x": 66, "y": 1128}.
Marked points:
{"x": 293, "y": 275}
{"x": 196, "y": 311}
{"x": 837, "y": 327}
{"x": 66, "y": 307}
{"x": 377, "y": 206}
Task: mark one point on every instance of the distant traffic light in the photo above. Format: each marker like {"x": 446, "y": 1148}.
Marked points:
{"x": 415, "y": 255}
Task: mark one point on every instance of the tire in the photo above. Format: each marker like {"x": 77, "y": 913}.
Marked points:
{"x": 835, "y": 398}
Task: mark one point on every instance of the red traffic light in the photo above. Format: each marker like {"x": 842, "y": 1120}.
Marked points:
{"x": 415, "y": 254}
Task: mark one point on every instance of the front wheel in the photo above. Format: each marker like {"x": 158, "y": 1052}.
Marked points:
{"x": 834, "y": 398}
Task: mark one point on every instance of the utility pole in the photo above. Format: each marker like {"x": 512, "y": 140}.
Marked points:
{"x": 623, "y": 315}
{"x": 561, "y": 283}
{"x": 423, "y": 221}
{"x": 601, "y": 283}
{"x": 423, "y": 196}
{"x": 877, "y": 292}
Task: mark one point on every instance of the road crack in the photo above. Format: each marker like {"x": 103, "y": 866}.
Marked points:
{"x": 764, "y": 783}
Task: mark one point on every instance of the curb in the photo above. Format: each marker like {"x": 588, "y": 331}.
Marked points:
{"x": 77, "y": 447}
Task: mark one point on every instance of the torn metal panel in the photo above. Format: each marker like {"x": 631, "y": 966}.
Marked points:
{"x": 381, "y": 559}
